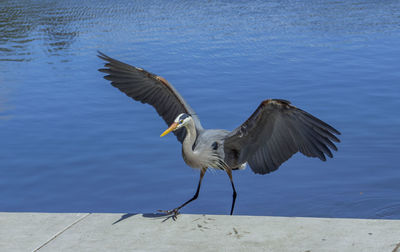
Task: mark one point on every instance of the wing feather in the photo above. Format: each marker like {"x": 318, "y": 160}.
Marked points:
{"x": 149, "y": 88}
{"x": 276, "y": 131}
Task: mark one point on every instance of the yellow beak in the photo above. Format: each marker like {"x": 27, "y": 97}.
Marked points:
{"x": 171, "y": 128}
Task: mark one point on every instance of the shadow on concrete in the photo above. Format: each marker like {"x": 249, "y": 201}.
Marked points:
{"x": 146, "y": 215}
{"x": 163, "y": 216}
{"x": 124, "y": 217}
{"x": 154, "y": 215}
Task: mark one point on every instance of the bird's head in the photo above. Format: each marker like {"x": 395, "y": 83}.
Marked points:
{"x": 180, "y": 121}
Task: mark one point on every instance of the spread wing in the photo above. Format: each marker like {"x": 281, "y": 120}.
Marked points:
{"x": 276, "y": 131}
{"x": 149, "y": 88}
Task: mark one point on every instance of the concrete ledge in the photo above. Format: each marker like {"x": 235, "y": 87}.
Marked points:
{"x": 152, "y": 232}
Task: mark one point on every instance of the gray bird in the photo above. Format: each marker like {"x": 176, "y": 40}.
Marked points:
{"x": 270, "y": 136}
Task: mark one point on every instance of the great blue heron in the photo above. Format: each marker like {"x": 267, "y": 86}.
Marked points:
{"x": 271, "y": 135}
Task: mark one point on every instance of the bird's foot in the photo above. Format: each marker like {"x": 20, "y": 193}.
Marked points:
{"x": 174, "y": 213}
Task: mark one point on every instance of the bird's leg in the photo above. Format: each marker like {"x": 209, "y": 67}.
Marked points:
{"x": 229, "y": 172}
{"x": 175, "y": 211}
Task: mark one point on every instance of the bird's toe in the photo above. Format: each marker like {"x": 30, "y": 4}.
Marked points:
{"x": 174, "y": 213}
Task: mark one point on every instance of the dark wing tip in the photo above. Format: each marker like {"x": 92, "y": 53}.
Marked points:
{"x": 102, "y": 56}
{"x": 105, "y": 58}
{"x": 104, "y": 70}
{"x": 110, "y": 60}
{"x": 335, "y": 131}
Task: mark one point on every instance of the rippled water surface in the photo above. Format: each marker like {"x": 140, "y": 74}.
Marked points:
{"x": 70, "y": 142}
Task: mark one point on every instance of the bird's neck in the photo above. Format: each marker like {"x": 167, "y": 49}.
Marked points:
{"x": 187, "y": 145}
{"x": 190, "y": 137}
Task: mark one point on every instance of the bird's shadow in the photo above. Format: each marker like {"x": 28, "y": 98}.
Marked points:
{"x": 163, "y": 216}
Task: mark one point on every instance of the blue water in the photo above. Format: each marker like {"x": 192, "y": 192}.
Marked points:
{"x": 70, "y": 142}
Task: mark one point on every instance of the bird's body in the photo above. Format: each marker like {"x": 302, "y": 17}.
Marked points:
{"x": 205, "y": 152}
{"x": 271, "y": 135}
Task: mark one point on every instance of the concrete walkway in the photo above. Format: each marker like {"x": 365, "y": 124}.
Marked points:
{"x": 149, "y": 232}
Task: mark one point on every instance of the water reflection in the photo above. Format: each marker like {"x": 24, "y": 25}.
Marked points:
{"x": 26, "y": 24}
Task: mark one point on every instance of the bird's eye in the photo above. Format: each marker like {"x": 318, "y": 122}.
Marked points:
{"x": 181, "y": 121}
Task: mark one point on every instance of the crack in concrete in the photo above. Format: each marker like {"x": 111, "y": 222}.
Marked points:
{"x": 60, "y": 232}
